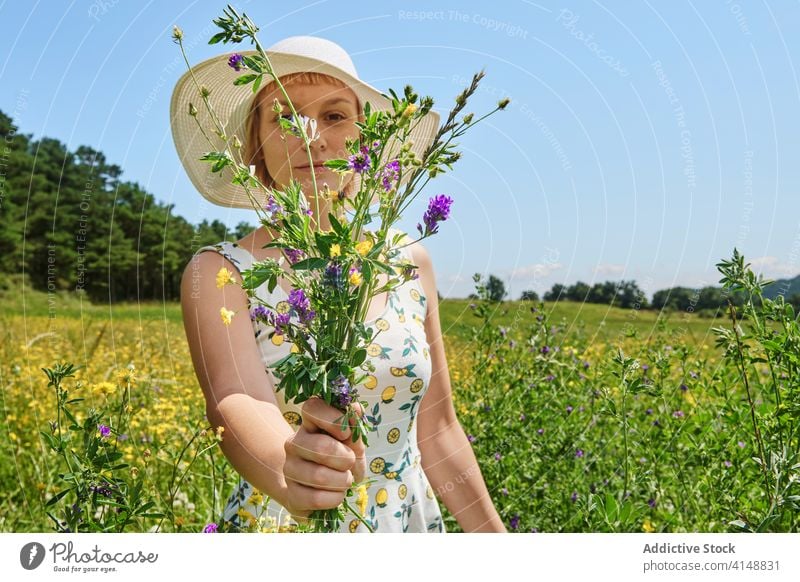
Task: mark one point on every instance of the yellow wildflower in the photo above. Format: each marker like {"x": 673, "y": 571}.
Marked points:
{"x": 224, "y": 276}
{"x": 220, "y": 430}
{"x": 335, "y": 250}
{"x": 226, "y": 315}
{"x": 362, "y": 499}
{"x": 356, "y": 278}
{"x": 647, "y": 526}
{"x": 409, "y": 110}
{"x": 104, "y": 388}
{"x": 364, "y": 247}
{"x": 127, "y": 375}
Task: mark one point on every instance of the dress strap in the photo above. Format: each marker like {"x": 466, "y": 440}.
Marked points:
{"x": 241, "y": 258}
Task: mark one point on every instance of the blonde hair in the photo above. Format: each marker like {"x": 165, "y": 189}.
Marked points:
{"x": 253, "y": 152}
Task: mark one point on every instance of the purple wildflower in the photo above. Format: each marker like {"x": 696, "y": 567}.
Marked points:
{"x": 585, "y": 364}
{"x": 545, "y": 349}
{"x": 210, "y": 528}
{"x": 514, "y": 523}
{"x": 497, "y": 456}
{"x": 574, "y": 496}
{"x": 360, "y": 162}
{"x": 522, "y": 417}
{"x": 503, "y": 332}
{"x": 569, "y": 409}
{"x": 741, "y": 444}
{"x": 333, "y": 276}
{"x": 342, "y": 391}
{"x": 678, "y": 414}
{"x": 550, "y": 378}
{"x": 280, "y": 321}
{"x": 104, "y": 489}
{"x": 104, "y": 430}
{"x": 579, "y": 453}
{"x": 438, "y": 211}
{"x": 390, "y": 173}
{"x": 512, "y": 344}
{"x": 301, "y": 305}
{"x": 645, "y": 367}
{"x": 656, "y": 423}
{"x": 259, "y": 312}
{"x": 727, "y": 463}
{"x": 693, "y": 374}
{"x": 540, "y": 431}
{"x": 651, "y": 502}
{"x": 273, "y": 209}
{"x": 649, "y": 411}
{"x": 235, "y": 62}
{"x": 471, "y": 438}
{"x": 504, "y": 491}
{"x": 294, "y": 255}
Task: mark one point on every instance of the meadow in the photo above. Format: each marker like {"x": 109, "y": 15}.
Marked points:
{"x": 584, "y": 418}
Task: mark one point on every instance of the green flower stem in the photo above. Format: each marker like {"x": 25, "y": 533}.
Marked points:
{"x": 357, "y": 514}
{"x": 295, "y": 117}
{"x": 741, "y": 362}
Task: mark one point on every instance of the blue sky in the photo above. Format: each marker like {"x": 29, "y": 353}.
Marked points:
{"x": 643, "y": 141}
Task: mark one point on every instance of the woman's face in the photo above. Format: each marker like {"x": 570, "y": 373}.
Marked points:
{"x": 336, "y": 111}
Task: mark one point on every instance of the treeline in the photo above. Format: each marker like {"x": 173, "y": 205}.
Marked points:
{"x": 70, "y": 223}
{"x": 627, "y": 295}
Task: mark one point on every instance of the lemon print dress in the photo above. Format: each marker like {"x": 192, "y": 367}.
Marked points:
{"x": 400, "y": 499}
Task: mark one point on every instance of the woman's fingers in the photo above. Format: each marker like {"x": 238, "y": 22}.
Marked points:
{"x": 320, "y": 448}
{"x": 307, "y": 499}
{"x": 318, "y": 416}
{"x": 316, "y": 475}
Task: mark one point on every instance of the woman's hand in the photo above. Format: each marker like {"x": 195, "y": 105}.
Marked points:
{"x": 322, "y": 461}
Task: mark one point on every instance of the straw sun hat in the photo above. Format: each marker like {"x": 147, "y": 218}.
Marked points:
{"x": 232, "y": 103}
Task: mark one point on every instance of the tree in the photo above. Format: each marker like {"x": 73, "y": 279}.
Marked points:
{"x": 557, "y": 291}
{"x": 529, "y": 296}
{"x": 578, "y": 292}
{"x": 496, "y": 289}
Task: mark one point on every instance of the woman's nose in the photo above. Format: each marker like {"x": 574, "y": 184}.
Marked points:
{"x": 321, "y": 142}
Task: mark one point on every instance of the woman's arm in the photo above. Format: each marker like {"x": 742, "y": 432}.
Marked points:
{"x": 309, "y": 469}
{"x": 239, "y": 395}
{"x": 447, "y": 456}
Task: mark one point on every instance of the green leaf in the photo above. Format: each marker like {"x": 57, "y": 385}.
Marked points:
{"x": 337, "y": 164}
{"x": 253, "y": 62}
{"x": 51, "y": 440}
{"x": 257, "y": 84}
{"x": 336, "y": 225}
{"x": 55, "y": 498}
{"x": 245, "y": 79}
{"x": 220, "y": 36}
{"x": 359, "y": 357}
{"x": 310, "y": 263}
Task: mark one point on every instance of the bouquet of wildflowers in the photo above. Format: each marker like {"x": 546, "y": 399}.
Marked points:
{"x": 334, "y": 272}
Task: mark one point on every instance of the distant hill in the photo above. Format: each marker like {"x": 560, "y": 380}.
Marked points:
{"x": 785, "y": 287}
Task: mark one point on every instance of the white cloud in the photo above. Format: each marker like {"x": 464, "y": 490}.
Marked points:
{"x": 609, "y": 269}
{"x": 772, "y": 267}
{"x": 535, "y": 271}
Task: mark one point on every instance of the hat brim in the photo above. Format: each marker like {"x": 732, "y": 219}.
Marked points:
{"x": 231, "y": 104}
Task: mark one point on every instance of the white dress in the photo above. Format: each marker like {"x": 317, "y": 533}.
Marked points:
{"x": 401, "y": 500}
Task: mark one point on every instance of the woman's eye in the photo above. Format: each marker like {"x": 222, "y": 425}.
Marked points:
{"x": 336, "y": 117}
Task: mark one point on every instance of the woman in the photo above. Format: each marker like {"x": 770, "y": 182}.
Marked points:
{"x": 297, "y": 455}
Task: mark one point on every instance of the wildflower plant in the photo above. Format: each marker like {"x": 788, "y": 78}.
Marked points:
{"x": 334, "y": 273}
{"x": 101, "y": 493}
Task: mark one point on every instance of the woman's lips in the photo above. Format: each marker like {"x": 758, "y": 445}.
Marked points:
{"x": 317, "y": 168}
